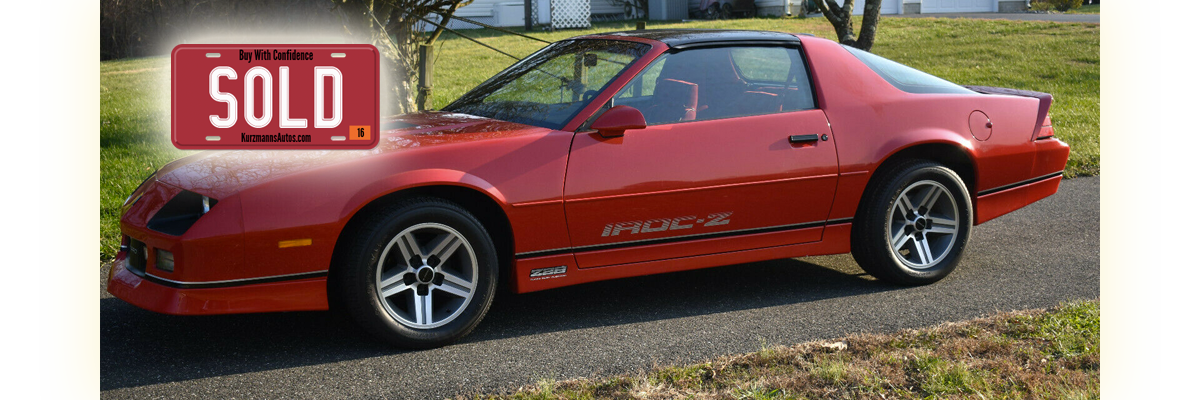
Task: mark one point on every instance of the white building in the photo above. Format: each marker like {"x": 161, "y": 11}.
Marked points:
{"x": 512, "y": 12}
{"x": 776, "y": 7}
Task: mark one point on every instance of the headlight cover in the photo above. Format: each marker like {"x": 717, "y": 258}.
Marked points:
{"x": 137, "y": 192}
{"x": 179, "y": 214}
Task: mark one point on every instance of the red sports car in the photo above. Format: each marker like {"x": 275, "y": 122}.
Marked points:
{"x": 598, "y": 157}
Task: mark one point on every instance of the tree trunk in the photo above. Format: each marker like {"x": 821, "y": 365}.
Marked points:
{"x": 866, "y": 38}
{"x": 390, "y": 26}
{"x": 404, "y": 92}
{"x": 842, "y": 19}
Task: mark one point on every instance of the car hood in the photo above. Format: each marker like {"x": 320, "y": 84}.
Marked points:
{"x": 222, "y": 173}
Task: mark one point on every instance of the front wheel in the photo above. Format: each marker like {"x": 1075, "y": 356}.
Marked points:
{"x": 913, "y": 224}
{"x": 420, "y": 274}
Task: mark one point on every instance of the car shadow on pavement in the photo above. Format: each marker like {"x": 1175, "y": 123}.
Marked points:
{"x": 140, "y": 347}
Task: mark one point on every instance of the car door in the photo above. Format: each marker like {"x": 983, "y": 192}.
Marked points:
{"x": 736, "y": 156}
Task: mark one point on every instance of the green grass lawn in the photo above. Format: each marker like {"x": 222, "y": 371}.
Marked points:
{"x": 1062, "y": 59}
{"x": 135, "y": 135}
{"x": 1043, "y": 354}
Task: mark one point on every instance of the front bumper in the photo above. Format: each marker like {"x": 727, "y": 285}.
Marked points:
{"x": 209, "y": 273}
{"x": 298, "y": 292}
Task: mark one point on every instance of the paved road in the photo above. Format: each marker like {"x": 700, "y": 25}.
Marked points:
{"x": 1091, "y": 18}
{"x": 1036, "y": 257}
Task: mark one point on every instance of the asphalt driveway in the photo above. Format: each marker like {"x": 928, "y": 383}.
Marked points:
{"x": 1035, "y": 257}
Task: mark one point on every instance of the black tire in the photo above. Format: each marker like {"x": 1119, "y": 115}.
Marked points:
{"x": 357, "y": 272}
{"x": 713, "y": 11}
{"x": 878, "y": 221}
{"x": 727, "y": 11}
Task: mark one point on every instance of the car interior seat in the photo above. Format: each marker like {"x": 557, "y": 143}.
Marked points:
{"x": 674, "y": 101}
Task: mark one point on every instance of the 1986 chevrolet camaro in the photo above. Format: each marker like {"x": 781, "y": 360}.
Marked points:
{"x": 598, "y": 157}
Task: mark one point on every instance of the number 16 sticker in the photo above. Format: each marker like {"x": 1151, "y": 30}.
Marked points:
{"x": 360, "y": 132}
{"x": 274, "y": 96}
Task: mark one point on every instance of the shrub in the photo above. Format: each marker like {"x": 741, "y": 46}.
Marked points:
{"x": 1060, "y": 5}
{"x": 1041, "y": 5}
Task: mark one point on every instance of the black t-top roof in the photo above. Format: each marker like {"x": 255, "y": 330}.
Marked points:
{"x": 678, "y": 38}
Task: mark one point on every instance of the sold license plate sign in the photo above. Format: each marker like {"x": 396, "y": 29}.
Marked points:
{"x": 275, "y": 96}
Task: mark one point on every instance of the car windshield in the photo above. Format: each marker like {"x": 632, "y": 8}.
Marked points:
{"x": 550, "y": 86}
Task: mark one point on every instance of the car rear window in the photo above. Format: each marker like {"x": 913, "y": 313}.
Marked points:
{"x": 906, "y": 78}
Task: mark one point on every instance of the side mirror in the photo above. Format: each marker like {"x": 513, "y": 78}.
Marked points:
{"x": 617, "y": 120}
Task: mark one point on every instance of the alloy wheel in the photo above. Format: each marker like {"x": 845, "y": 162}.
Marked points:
{"x": 923, "y": 224}
{"x": 426, "y": 276}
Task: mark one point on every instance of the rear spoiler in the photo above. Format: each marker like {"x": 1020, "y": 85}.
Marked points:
{"x": 1044, "y": 98}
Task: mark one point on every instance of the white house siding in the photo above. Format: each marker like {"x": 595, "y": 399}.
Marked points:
{"x": 484, "y": 10}
{"x": 914, "y": 6}
{"x": 479, "y": 10}
{"x": 887, "y": 7}
{"x": 957, "y": 6}
{"x": 601, "y": 7}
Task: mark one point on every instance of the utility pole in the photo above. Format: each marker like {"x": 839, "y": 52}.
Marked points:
{"x": 424, "y": 81}
{"x": 528, "y": 15}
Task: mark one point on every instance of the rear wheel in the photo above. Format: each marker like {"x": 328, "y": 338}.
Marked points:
{"x": 421, "y": 274}
{"x": 713, "y": 11}
{"x": 727, "y": 11}
{"x": 630, "y": 11}
{"x": 913, "y": 224}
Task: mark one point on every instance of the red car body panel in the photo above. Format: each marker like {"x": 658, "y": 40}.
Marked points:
{"x": 563, "y": 194}
{"x": 996, "y": 204}
{"x": 633, "y": 178}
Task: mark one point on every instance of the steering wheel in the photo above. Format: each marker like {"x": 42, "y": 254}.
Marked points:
{"x": 591, "y": 94}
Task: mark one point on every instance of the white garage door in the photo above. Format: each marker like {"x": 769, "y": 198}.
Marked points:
{"x": 887, "y": 7}
{"x": 890, "y": 7}
{"x": 955, "y": 6}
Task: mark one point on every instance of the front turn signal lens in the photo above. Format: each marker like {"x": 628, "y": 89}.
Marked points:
{"x": 164, "y": 260}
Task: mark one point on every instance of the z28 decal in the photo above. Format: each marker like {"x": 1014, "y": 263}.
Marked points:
{"x": 665, "y": 224}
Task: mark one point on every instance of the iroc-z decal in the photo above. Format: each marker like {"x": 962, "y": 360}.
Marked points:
{"x": 665, "y": 224}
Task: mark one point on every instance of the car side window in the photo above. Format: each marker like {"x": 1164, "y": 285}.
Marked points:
{"x": 643, "y": 85}
{"x": 719, "y": 82}
{"x": 549, "y": 87}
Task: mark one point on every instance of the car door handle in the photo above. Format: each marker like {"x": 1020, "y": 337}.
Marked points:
{"x": 802, "y": 138}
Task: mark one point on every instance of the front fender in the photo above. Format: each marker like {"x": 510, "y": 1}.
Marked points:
{"x": 418, "y": 178}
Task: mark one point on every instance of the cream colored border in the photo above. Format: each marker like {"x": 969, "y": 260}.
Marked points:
{"x": 69, "y": 186}
{"x": 69, "y": 162}
{"x": 1131, "y": 256}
